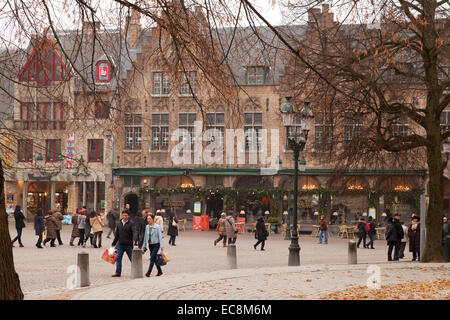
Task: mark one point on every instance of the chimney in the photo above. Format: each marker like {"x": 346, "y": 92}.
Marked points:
{"x": 133, "y": 28}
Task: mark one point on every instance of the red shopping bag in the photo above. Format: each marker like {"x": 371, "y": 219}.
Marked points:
{"x": 109, "y": 259}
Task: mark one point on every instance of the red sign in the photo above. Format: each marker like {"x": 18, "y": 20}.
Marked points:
{"x": 241, "y": 224}
{"x": 205, "y": 222}
{"x": 197, "y": 226}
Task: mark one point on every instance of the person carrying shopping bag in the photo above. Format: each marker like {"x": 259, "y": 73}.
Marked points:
{"x": 153, "y": 237}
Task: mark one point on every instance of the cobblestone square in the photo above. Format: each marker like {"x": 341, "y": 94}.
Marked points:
{"x": 199, "y": 270}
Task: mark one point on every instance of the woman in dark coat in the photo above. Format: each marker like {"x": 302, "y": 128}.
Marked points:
{"x": 75, "y": 231}
{"x": 261, "y": 233}
{"x": 19, "y": 217}
{"x": 414, "y": 238}
{"x": 52, "y": 225}
{"x": 173, "y": 228}
{"x": 39, "y": 226}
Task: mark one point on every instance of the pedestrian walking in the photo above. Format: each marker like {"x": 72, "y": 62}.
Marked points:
{"x": 414, "y": 238}
{"x": 153, "y": 237}
{"x": 20, "y": 224}
{"x": 221, "y": 229}
{"x": 75, "y": 230}
{"x": 59, "y": 217}
{"x": 172, "y": 229}
{"x": 445, "y": 228}
{"x": 88, "y": 229}
{"x": 123, "y": 241}
{"x": 362, "y": 233}
{"x": 51, "y": 226}
{"x": 39, "y": 226}
{"x": 139, "y": 223}
{"x": 323, "y": 230}
{"x": 231, "y": 230}
{"x": 261, "y": 233}
{"x": 401, "y": 253}
{"x": 112, "y": 219}
{"x": 97, "y": 223}
{"x": 158, "y": 220}
{"x": 370, "y": 226}
{"x": 81, "y": 226}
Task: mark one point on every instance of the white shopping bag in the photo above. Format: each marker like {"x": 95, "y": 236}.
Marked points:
{"x": 111, "y": 252}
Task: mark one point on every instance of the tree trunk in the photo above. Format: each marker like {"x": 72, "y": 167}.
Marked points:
{"x": 433, "y": 250}
{"x": 9, "y": 279}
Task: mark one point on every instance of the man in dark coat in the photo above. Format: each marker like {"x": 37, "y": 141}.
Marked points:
{"x": 123, "y": 237}
{"x": 19, "y": 217}
{"x": 394, "y": 235}
{"x": 261, "y": 233}
{"x": 139, "y": 223}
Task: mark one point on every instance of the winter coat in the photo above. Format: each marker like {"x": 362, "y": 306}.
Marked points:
{"x": 372, "y": 230}
{"x": 445, "y": 229}
{"x": 414, "y": 238}
{"x": 323, "y": 225}
{"x": 221, "y": 226}
{"x": 261, "y": 230}
{"x": 139, "y": 223}
{"x": 39, "y": 225}
{"x": 124, "y": 233}
{"x": 112, "y": 218}
{"x": 75, "y": 231}
{"x": 361, "y": 229}
{"x": 394, "y": 232}
{"x": 59, "y": 218}
{"x": 52, "y": 226}
{"x": 172, "y": 231}
{"x": 19, "y": 217}
{"x": 230, "y": 227}
{"x": 97, "y": 223}
{"x": 81, "y": 221}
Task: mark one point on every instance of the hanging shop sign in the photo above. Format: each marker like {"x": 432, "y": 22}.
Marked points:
{"x": 70, "y": 150}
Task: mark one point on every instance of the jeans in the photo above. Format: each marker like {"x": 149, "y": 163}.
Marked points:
{"x": 120, "y": 251}
{"x": 362, "y": 237}
{"x": 371, "y": 237}
{"x": 401, "y": 252}
{"x": 396, "y": 246}
{"x": 154, "y": 248}
{"x": 58, "y": 236}
{"x": 81, "y": 240}
{"x": 19, "y": 236}
{"x": 321, "y": 233}
{"x": 222, "y": 237}
{"x": 111, "y": 230}
{"x": 263, "y": 242}
{"x": 172, "y": 240}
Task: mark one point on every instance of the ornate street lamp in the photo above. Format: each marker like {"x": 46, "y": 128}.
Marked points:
{"x": 297, "y": 136}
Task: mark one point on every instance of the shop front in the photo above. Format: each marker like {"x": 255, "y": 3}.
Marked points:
{"x": 252, "y": 204}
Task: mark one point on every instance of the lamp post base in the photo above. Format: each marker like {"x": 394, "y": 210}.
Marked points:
{"x": 294, "y": 255}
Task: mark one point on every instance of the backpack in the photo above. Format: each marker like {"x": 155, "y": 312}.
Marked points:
{"x": 367, "y": 227}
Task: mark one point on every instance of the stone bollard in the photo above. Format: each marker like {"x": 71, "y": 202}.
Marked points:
{"x": 136, "y": 264}
{"x": 83, "y": 267}
{"x": 231, "y": 256}
{"x": 352, "y": 252}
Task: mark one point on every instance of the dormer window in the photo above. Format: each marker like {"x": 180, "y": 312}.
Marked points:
{"x": 256, "y": 74}
{"x": 45, "y": 65}
{"x": 103, "y": 71}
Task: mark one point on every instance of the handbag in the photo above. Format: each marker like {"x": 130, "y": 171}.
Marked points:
{"x": 165, "y": 257}
{"x": 108, "y": 258}
{"x": 159, "y": 260}
{"x": 174, "y": 223}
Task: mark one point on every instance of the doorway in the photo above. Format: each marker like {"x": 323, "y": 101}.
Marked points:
{"x": 132, "y": 200}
